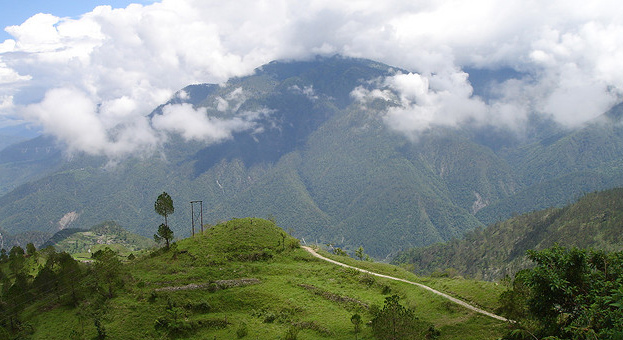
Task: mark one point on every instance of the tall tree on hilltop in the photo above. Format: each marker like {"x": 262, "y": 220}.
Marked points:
{"x": 164, "y": 206}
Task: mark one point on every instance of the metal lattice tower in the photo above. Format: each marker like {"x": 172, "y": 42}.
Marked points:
{"x": 197, "y": 215}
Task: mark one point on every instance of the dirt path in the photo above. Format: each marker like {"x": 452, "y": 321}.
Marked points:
{"x": 446, "y": 296}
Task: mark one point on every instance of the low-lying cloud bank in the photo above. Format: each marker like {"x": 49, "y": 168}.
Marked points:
{"x": 91, "y": 81}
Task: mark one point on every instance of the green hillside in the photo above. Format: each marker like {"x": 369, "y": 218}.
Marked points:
{"x": 594, "y": 221}
{"x": 245, "y": 278}
{"x": 557, "y": 169}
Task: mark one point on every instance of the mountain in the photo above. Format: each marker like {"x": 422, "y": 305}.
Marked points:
{"x": 322, "y": 165}
{"x": 594, "y": 221}
{"x": 560, "y": 168}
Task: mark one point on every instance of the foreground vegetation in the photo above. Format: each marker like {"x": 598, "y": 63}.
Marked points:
{"x": 245, "y": 278}
{"x": 569, "y": 294}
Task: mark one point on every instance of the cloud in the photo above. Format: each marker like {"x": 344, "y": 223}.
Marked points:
{"x": 6, "y": 103}
{"x": 83, "y": 125}
{"x": 232, "y": 100}
{"x": 195, "y": 124}
{"x": 71, "y": 116}
{"x": 121, "y": 63}
{"x": 419, "y": 102}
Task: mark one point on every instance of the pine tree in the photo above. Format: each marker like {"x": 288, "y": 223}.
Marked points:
{"x": 164, "y": 206}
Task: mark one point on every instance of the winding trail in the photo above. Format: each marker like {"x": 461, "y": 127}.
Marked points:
{"x": 446, "y": 296}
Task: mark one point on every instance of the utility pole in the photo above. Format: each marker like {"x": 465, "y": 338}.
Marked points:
{"x": 197, "y": 217}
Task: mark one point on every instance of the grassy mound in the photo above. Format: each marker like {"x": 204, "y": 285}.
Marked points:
{"x": 242, "y": 239}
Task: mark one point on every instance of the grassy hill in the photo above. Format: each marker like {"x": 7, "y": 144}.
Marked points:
{"x": 246, "y": 278}
{"x": 594, "y": 221}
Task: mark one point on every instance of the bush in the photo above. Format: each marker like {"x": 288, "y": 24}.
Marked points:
{"x": 293, "y": 243}
{"x": 339, "y": 251}
{"x": 270, "y": 317}
{"x": 199, "y": 307}
{"x": 242, "y": 330}
{"x": 395, "y": 321}
{"x": 367, "y": 280}
{"x": 291, "y": 334}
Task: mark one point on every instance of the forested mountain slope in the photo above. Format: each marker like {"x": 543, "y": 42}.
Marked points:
{"x": 304, "y": 151}
{"x": 594, "y": 221}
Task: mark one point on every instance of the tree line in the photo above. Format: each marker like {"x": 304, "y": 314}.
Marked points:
{"x": 46, "y": 276}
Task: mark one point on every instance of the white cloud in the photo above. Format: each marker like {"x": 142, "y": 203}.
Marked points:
{"x": 77, "y": 122}
{"x": 6, "y": 103}
{"x": 232, "y": 100}
{"x": 124, "y": 62}
{"x": 71, "y": 116}
{"x": 195, "y": 124}
{"x": 9, "y": 76}
{"x": 421, "y": 102}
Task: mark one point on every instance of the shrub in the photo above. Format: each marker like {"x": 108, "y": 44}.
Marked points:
{"x": 242, "y": 330}
{"x": 199, "y": 307}
{"x": 339, "y": 251}
{"x": 291, "y": 334}
{"x": 293, "y": 243}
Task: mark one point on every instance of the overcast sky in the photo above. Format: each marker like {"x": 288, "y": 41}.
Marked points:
{"x": 89, "y": 75}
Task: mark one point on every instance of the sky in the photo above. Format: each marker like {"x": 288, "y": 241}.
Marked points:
{"x": 89, "y": 72}
{"x": 15, "y": 12}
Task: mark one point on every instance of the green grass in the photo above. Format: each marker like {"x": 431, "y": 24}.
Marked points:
{"x": 483, "y": 294}
{"x": 294, "y": 288}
